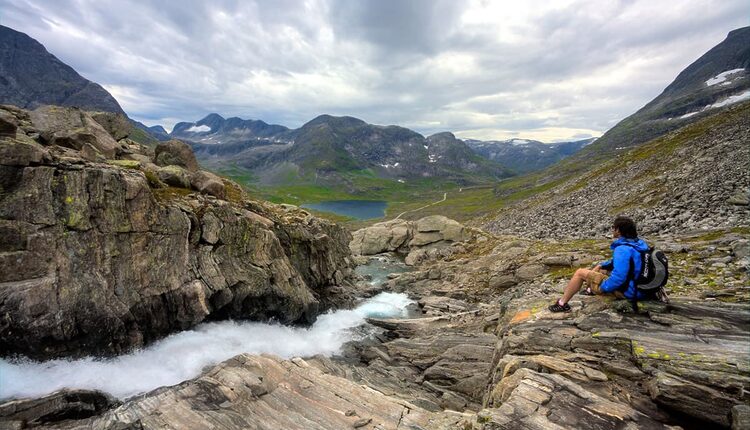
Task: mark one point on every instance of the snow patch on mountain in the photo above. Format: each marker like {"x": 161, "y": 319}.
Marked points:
{"x": 390, "y": 166}
{"x": 741, "y": 97}
{"x": 516, "y": 142}
{"x": 732, "y": 99}
{"x": 722, "y": 77}
{"x": 688, "y": 115}
{"x": 199, "y": 129}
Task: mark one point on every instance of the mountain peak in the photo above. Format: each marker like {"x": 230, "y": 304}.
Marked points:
{"x": 33, "y": 77}
{"x": 335, "y": 121}
{"x": 717, "y": 79}
{"x": 444, "y": 135}
{"x": 213, "y": 120}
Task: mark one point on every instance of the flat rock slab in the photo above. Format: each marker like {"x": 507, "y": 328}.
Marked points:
{"x": 265, "y": 392}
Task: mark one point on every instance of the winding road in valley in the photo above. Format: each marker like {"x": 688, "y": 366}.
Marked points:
{"x": 445, "y": 196}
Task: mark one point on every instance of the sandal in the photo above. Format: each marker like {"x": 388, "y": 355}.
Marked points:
{"x": 557, "y": 308}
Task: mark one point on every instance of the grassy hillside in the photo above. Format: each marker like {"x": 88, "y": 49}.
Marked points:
{"x": 690, "y": 177}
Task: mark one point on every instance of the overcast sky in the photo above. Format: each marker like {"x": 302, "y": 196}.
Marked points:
{"x": 551, "y": 70}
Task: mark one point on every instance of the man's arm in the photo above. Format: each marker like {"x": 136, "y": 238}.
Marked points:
{"x": 620, "y": 264}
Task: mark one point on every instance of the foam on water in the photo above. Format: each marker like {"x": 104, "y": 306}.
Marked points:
{"x": 183, "y": 355}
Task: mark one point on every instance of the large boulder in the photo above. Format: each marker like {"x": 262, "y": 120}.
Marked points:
{"x": 117, "y": 125}
{"x": 73, "y": 128}
{"x": 407, "y": 236}
{"x": 22, "y": 152}
{"x": 530, "y": 271}
{"x": 207, "y": 183}
{"x": 175, "y": 153}
{"x": 174, "y": 176}
{"x": 382, "y": 237}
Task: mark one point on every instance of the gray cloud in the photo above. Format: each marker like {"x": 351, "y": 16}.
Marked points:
{"x": 546, "y": 70}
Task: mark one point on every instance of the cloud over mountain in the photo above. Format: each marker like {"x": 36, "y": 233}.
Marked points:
{"x": 484, "y": 70}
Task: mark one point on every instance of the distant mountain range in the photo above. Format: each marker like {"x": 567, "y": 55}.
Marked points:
{"x": 30, "y": 77}
{"x": 215, "y": 129}
{"x": 328, "y": 147}
{"x": 325, "y": 149}
{"x": 352, "y": 144}
{"x": 526, "y": 155}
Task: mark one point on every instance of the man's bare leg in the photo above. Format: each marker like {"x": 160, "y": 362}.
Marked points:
{"x": 574, "y": 285}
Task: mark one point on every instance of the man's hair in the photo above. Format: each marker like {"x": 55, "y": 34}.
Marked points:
{"x": 626, "y": 227}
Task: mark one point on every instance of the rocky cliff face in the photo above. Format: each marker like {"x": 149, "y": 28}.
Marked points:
{"x": 106, "y": 245}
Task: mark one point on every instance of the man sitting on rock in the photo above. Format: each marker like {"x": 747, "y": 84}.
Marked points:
{"x": 626, "y": 248}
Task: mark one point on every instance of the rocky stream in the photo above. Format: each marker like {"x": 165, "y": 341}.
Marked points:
{"x": 140, "y": 292}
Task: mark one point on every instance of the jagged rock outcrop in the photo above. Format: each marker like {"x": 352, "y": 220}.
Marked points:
{"x": 58, "y": 406}
{"x": 408, "y": 237}
{"x": 99, "y": 257}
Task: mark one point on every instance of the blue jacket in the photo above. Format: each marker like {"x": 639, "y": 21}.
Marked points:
{"x": 623, "y": 251}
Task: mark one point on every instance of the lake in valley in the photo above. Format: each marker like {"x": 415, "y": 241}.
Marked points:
{"x": 359, "y": 209}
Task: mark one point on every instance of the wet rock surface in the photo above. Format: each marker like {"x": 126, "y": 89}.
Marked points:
{"x": 59, "y": 406}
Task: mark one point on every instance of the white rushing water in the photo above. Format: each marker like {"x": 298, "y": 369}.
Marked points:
{"x": 183, "y": 355}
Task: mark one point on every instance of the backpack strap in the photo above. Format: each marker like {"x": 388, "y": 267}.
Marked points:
{"x": 631, "y": 277}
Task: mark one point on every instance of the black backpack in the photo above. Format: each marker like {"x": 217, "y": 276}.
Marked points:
{"x": 653, "y": 276}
